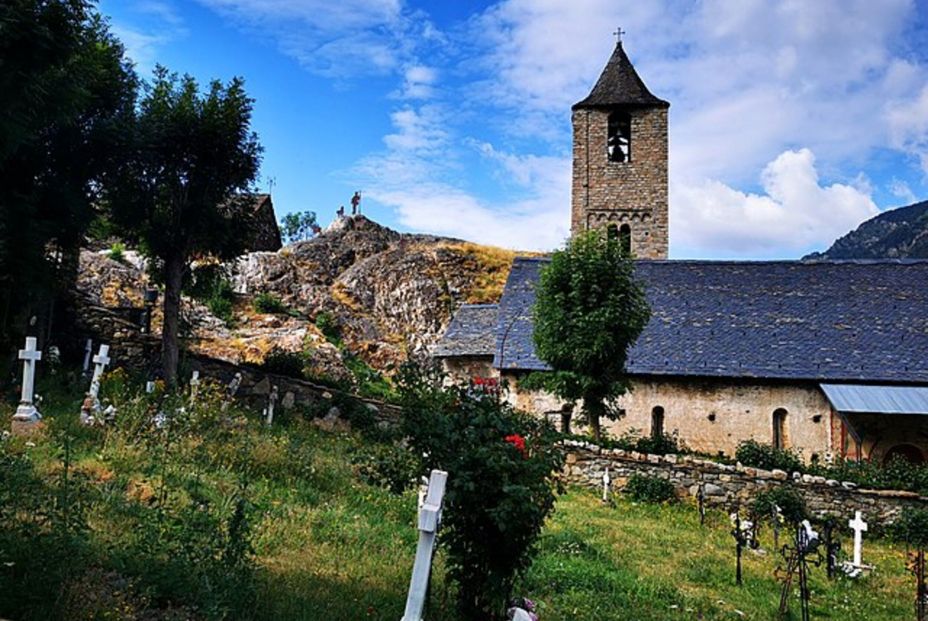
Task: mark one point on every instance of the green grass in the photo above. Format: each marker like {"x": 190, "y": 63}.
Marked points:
{"x": 329, "y": 546}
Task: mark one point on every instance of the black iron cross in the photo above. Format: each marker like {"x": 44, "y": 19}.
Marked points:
{"x": 618, "y": 34}
{"x": 916, "y": 564}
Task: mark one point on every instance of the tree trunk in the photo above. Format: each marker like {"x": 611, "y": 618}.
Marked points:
{"x": 173, "y": 280}
{"x": 566, "y": 415}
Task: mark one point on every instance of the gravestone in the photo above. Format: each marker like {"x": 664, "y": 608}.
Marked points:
{"x": 231, "y": 391}
{"x": 429, "y": 520}
{"x": 27, "y": 415}
{"x": 607, "y": 483}
{"x": 194, "y": 386}
{"x": 271, "y": 401}
{"x": 88, "y": 352}
{"x": 859, "y": 527}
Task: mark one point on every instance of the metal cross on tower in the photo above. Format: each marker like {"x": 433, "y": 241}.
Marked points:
{"x": 618, "y": 34}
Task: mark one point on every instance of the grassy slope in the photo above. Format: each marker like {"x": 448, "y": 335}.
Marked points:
{"x": 332, "y": 547}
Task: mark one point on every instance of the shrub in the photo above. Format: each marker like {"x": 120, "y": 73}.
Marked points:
{"x": 501, "y": 466}
{"x": 757, "y": 455}
{"x": 287, "y": 363}
{"x": 388, "y": 466}
{"x": 370, "y": 382}
{"x": 632, "y": 440}
{"x": 270, "y": 304}
{"x": 210, "y": 285}
{"x": 328, "y": 325}
{"x": 912, "y": 527}
{"x": 791, "y": 503}
{"x": 117, "y": 252}
{"x": 645, "y": 488}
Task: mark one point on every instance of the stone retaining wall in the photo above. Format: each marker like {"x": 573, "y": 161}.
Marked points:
{"x": 729, "y": 486}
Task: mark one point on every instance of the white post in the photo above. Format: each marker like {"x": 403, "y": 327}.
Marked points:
{"x": 88, "y": 351}
{"x": 607, "y": 481}
{"x": 99, "y": 361}
{"x": 429, "y": 519}
{"x": 149, "y": 387}
{"x": 859, "y": 527}
{"x": 27, "y": 412}
{"x": 194, "y": 385}
{"x": 271, "y": 400}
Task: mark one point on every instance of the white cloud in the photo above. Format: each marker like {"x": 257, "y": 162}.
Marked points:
{"x": 796, "y": 214}
{"x": 901, "y": 190}
{"x": 909, "y": 126}
{"x": 419, "y": 82}
{"x": 343, "y": 39}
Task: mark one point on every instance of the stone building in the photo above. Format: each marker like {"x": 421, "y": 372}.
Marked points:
{"x": 620, "y": 160}
{"x": 265, "y": 234}
{"x": 829, "y": 358}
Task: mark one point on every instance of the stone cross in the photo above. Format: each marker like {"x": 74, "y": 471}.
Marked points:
{"x": 271, "y": 400}
{"x": 194, "y": 385}
{"x": 27, "y": 412}
{"x": 859, "y": 527}
{"x": 429, "y": 519}
{"x": 99, "y": 361}
{"x": 231, "y": 391}
{"x": 607, "y": 481}
{"x": 88, "y": 352}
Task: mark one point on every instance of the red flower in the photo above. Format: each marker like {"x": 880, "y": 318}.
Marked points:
{"x": 517, "y": 441}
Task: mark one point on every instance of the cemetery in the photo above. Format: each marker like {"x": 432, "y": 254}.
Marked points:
{"x": 207, "y": 413}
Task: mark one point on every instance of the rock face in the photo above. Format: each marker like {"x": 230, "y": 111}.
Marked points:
{"x": 896, "y": 234}
{"x": 382, "y": 295}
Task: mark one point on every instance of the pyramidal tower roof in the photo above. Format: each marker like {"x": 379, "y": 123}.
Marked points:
{"x": 620, "y": 85}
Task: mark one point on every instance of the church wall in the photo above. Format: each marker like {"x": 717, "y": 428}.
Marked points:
{"x": 713, "y": 415}
{"x": 464, "y": 368}
{"x": 633, "y": 193}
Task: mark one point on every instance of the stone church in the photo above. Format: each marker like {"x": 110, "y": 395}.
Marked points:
{"x": 827, "y": 358}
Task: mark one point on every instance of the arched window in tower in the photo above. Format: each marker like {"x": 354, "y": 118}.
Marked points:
{"x": 779, "y": 428}
{"x": 657, "y": 423}
{"x": 619, "y": 141}
{"x": 625, "y": 236}
{"x": 612, "y": 232}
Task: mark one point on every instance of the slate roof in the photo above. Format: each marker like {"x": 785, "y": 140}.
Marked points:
{"x": 472, "y": 332}
{"x": 620, "y": 85}
{"x": 823, "y": 321}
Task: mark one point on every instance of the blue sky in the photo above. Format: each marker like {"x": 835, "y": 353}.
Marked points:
{"x": 791, "y": 122}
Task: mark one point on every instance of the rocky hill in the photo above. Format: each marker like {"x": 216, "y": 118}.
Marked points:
{"x": 896, "y": 234}
{"x": 358, "y": 289}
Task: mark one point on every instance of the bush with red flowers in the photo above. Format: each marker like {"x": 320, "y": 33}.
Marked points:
{"x": 502, "y": 469}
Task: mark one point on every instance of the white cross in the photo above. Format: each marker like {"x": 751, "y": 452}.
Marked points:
{"x": 606, "y": 482}
{"x": 99, "y": 361}
{"x": 429, "y": 519}
{"x": 149, "y": 387}
{"x": 88, "y": 351}
{"x": 859, "y": 527}
{"x": 29, "y": 356}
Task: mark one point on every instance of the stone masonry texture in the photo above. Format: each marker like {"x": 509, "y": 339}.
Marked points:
{"x": 633, "y": 193}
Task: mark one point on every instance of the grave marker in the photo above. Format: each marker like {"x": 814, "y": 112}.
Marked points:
{"x": 607, "y": 483}
{"x": 194, "y": 385}
{"x": 429, "y": 520}
{"x": 100, "y": 361}
{"x": 26, "y": 412}
{"x": 271, "y": 400}
{"x": 88, "y": 352}
{"x": 859, "y": 527}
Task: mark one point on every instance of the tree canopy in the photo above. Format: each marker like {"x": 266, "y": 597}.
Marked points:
{"x": 66, "y": 91}
{"x": 184, "y": 190}
{"x": 589, "y": 310}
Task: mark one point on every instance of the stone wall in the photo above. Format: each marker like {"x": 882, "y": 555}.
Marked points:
{"x": 728, "y": 486}
{"x": 634, "y": 192}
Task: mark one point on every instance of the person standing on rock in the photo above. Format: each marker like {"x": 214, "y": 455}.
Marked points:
{"x": 356, "y": 204}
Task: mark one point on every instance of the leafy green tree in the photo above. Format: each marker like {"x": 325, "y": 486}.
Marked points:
{"x": 502, "y": 469}
{"x": 589, "y": 309}
{"x": 66, "y": 91}
{"x": 183, "y": 191}
{"x": 298, "y": 226}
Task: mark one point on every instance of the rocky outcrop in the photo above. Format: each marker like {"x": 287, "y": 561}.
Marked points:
{"x": 387, "y": 295}
{"x": 895, "y": 234}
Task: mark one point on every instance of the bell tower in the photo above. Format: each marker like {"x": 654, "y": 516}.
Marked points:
{"x": 620, "y": 160}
